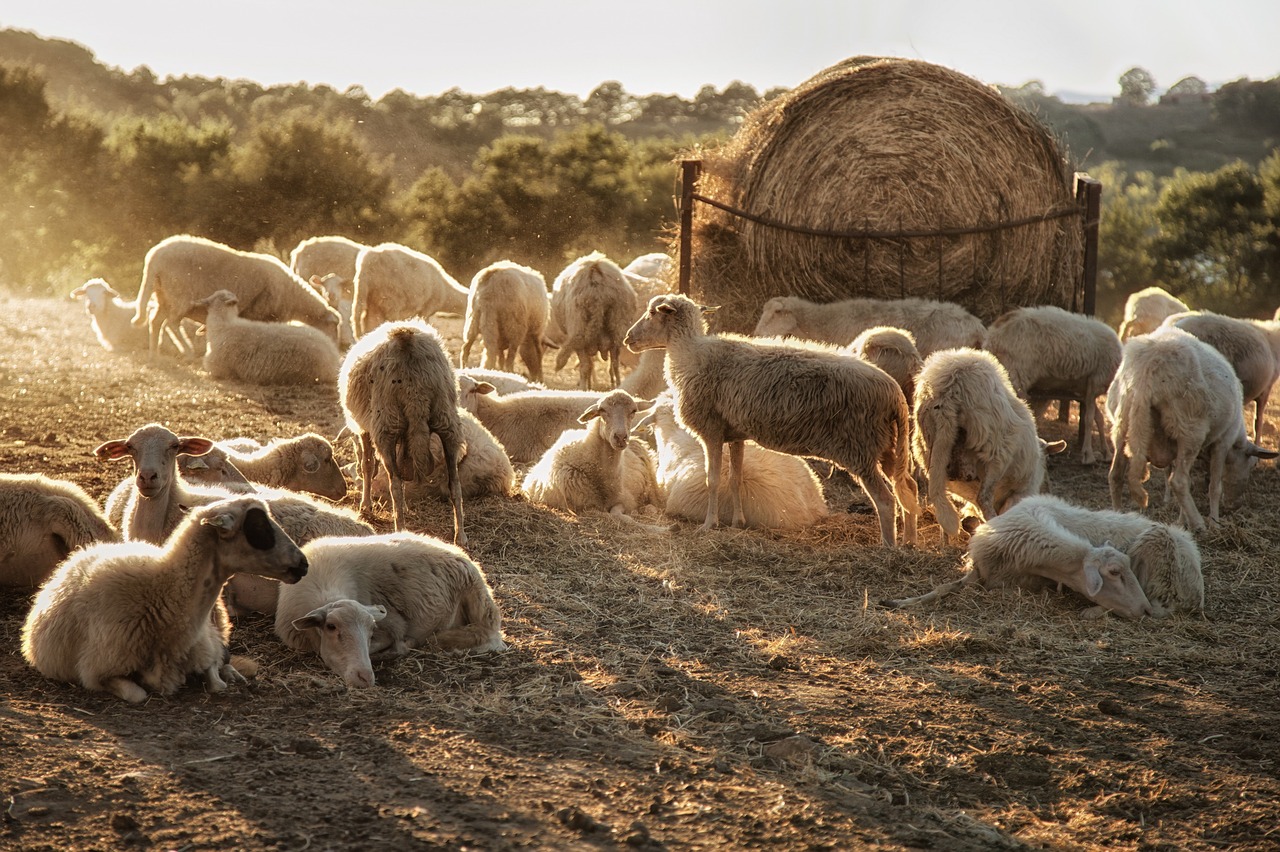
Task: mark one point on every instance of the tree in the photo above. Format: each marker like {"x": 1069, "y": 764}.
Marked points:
{"x": 1137, "y": 86}
{"x": 1189, "y": 86}
{"x": 1125, "y": 235}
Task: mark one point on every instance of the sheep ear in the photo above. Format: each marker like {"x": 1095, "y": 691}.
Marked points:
{"x": 195, "y": 463}
{"x": 224, "y": 522}
{"x": 194, "y": 446}
{"x": 1092, "y": 581}
{"x": 1255, "y": 450}
{"x": 645, "y": 422}
{"x": 485, "y": 387}
{"x": 590, "y": 414}
{"x": 77, "y": 293}
{"x": 313, "y": 620}
{"x": 376, "y": 611}
{"x": 708, "y": 309}
{"x": 112, "y": 451}
{"x": 1052, "y": 448}
{"x": 665, "y": 308}
{"x": 316, "y": 281}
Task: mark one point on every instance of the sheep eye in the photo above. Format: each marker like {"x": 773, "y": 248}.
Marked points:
{"x": 332, "y": 628}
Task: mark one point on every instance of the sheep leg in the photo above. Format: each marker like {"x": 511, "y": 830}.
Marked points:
{"x": 877, "y": 489}
{"x": 531, "y": 354}
{"x": 615, "y": 367}
{"x": 712, "y": 446}
{"x": 970, "y": 577}
{"x": 1217, "y": 462}
{"x": 1119, "y": 461}
{"x": 939, "y": 457}
{"x": 1180, "y": 480}
{"x": 586, "y": 366}
{"x": 367, "y": 463}
{"x": 455, "y": 490}
{"x": 125, "y": 689}
{"x": 735, "y": 483}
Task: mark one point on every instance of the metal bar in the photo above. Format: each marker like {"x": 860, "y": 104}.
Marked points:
{"x": 690, "y": 171}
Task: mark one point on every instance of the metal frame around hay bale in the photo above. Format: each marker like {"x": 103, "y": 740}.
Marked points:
{"x": 937, "y": 186}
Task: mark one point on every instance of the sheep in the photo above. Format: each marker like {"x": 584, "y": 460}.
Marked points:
{"x": 779, "y": 491}
{"x": 803, "y": 400}
{"x": 966, "y": 408}
{"x": 935, "y": 325}
{"x": 593, "y": 305}
{"x": 1049, "y": 351}
{"x": 42, "y": 520}
{"x": 115, "y": 612}
{"x": 111, "y": 317}
{"x": 382, "y": 595}
{"x": 1045, "y": 539}
{"x": 302, "y": 463}
{"x": 321, "y": 256}
{"x": 1247, "y": 349}
{"x": 892, "y": 350}
{"x": 525, "y": 423}
{"x": 600, "y": 468}
{"x": 1173, "y": 399}
{"x": 394, "y": 282}
{"x": 264, "y": 353}
{"x": 648, "y": 379}
{"x": 397, "y": 389}
{"x": 215, "y": 467}
{"x": 182, "y": 269}
{"x": 1271, "y": 330}
{"x": 1146, "y": 309}
{"x": 502, "y": 381}
{"x": 508, "y": 308}
{"x": 648, "y": 267}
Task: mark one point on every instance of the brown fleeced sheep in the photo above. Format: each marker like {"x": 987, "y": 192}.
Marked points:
{"x": 394, "y": 282}
{"x": 507, "y": 309}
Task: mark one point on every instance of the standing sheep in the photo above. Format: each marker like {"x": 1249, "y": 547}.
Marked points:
{"x": 594, "y": 305}
{"x": 42, "y": 520}
{"x": 892, "y": 350}
{"x": 397, "y": 389}
{"x": 1146, "y": 309}
{"x": 934, "y": 325}
{"x": 1247, "y": 349}
{"x": 525, "y": 423}
{"x": 394, "y": 282}
{"x": 382, "y": 595}
{"x": 116, "y": 612}
{"x": 264, "y": 353}
{"x": 328, "y": 264}
{"x": 507, "y": 307}
{"x": 810, "y": 401}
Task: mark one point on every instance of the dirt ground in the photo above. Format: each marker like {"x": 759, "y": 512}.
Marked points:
{"x": 689, "y": 691}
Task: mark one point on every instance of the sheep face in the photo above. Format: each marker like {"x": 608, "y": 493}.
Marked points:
{"x": 667, "y": 316}
{"x": 154, "y": 450}
{"x": 1106, "y": 578}
{"x": 615, "y": 410}
{"x": 777, "y": 319}
{"x": 468, "y": 391}
{"x": 1240, "y": 462}
{"x": 320, "y": 470}
{"x": 252, "y": 542}
{"x": 97, "y": 294}
{"x": 346, "y": 634}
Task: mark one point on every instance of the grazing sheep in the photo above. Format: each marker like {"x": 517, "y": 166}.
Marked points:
{"x": 1271, "y": 330}
{"x": 382, "y": 595}
{"x": 525, "y": 423}
{"x": 42, "y": 520}
{"x": 1048, "y": 351}
{"x": 181, "y": 270}
{"x": 302, "y": 463}
{"x": 803, "y": 400}
{"x": 394, "y": 282}
{"x": 328, "y": 264}
{"x": 502, "y": 381}
{"x": 1043, "y": 541}
{"x": 1247, "y": 349}
{"x": 600, "y": 468}
{"x": 965, "y": 409}
{"x": 115, "y": 612}
{"x": 397, "y": 389}
{"x": 338, "y": 292}
{"x": 593, "y": 304}
{"x": 264, "y": 353}
{"x": 508, "y": 308}
{"x": 1146, "y": 309}
{"x": 1173, "y": 399}
{"x": 892, "y": 350}
{"x": 934, "y": 325}
{"x": 779, "y": 491}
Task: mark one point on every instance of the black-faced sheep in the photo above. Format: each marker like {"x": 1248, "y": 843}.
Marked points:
{"x": 593, "y": 304}
{"x": 394, "y": 282}
{"x": 264, "y": 353}
{"x": 1146, "y": 309}
{"x": 934, "y": 325}
{"x": 507, "y": 308}
{"x": 42, "y": 520}
{"x": 525, "y": 423}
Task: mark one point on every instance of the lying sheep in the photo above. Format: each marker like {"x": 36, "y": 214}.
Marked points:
{"x": 1043, "y": 541}
{"x": 212, "y": 468}
{"x": 264, "y": 353}
{"x": 397, "y": 389}
{"x": 1247, "y": 349}
{"x": 934, "y": 325}
{"x": 183, "y": 269}
{"x": 892, "y": 350}
{"x": 507, "y": 308}
{"x": 525, "y": 423}
{"x": 135, "y": 618}
{"x": 647, "y": 267}
{"x": 42, "y": 520}
{"x": 302, "y": 463}
{"x": 810, "y": 401}
{"x": 600, "y": 468}
{"x": 965, "y": 407}
{"x": 502, "y": 381}
{"x": 381, "y": 596}
{"x": 1173, "y": 399}
{"x": 594, "y": 305}
{"x": 111, "y": 317}
{"x": 1048, "y": 351}
{"x": 779, "y": 491}
{"x": 394, "y": 282}
{"x": 1146, "y": 309}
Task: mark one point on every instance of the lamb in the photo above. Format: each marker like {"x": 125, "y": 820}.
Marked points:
{"x": 779, "y": 491}
{"x": 1146, "y": 309}
{"x": 115, "y": 612}
{"x": 525, "y": 423}
{"x": 1045, "y": 539}
{"x": 502, "y": 381}
{"x": 397, "y": 389}
{"x": 42, "y": 520}
{"x": 1247, "y": 349}
{"x": 1048, "y": 351}
{"x": 935, "y": 325}
{"x": 182, "y": 269}
{"x": 810, "y": 401}
{"x": 600, "y": 468}
{"x": 1173, "y": 399}
{"x": 264, "y": 353}
{"x": 382, "y": 595}
{"x": 302, "y": 463}
{"x": 965, "y": 408}
{"x": 892, "y": 350}
{"x": 593, "y": 304}
{"x": 394, "y": 282}
{"x": 508, "y": 308}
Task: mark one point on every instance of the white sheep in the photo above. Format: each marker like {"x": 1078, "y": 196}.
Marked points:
{"x": 965, "y": 408}
{"x": 1173, "y": 399}
{"x": 328, "y": 264}
{"x": 934, "y": 325}
{"x": 1247, "y": 348}
{"x": 1271, "y": 330}
{"x": 397, "y": 389}
{"x": 1146, "y": 309}
{"x": 892, "y": 350}
{"x": 382, "y": 595}
{"x": 593, "y": 304}
{"x": 264, "y": 353}
{"x": 115, "y": 612}
{"x": 507, "y": 308}
{"x": 649, "y": 378}
{"x": 803, "y": 400}
{"x": 394, "y": 282}
{"x": 111, "y": 317}
{"x": 779, "y": 491}
{"x": 525, "y": 423}
{"x": 212, "y": 468}
{"x": 1048, "y": 352}
{"x": 502, "y": 381}
{"x": 648, "y": 267}
{"x": 301, "y": 463}
{"x": 1043, "y": 541}
{"x": 42, "y": 520}
{"x": 182, "y": 269}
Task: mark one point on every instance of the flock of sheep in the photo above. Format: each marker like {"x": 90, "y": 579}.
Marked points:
{"x": 916, "y": 400}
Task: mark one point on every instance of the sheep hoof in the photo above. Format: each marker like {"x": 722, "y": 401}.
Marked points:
{"x": 1093, "y": 613}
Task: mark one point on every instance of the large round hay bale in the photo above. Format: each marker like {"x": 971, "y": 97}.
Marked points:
{"x": 887, "y": 146}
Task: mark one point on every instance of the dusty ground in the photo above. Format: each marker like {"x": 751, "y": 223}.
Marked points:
{"x": 690, "y": 691}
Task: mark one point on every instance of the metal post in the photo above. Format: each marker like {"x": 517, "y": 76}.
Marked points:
{"x": 690, "y": 171}
{"x": 1089, "y": 197}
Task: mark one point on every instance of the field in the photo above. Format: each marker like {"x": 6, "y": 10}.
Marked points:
{"x": 688, "y": 691}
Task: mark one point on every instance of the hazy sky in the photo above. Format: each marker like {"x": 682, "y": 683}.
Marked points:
{"x": 665, "y": 46}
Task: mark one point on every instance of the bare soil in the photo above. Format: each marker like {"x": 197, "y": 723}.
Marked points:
{"x": 736, "y": 689}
